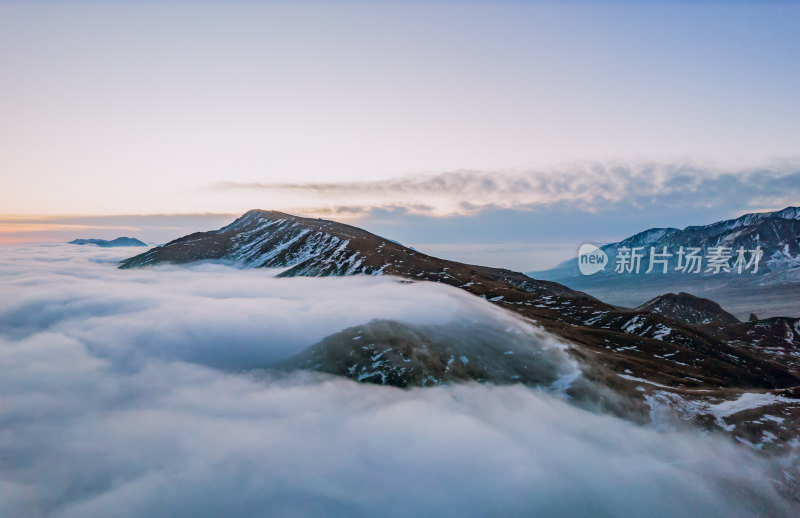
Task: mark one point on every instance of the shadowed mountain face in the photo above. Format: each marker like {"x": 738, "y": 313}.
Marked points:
{"x": 675, "y": 352}
{"x": 688, "y": 308}
{"x": 487, "y": 351}
{"x": 400, "y": 354}
{"x": 774, "y": 338}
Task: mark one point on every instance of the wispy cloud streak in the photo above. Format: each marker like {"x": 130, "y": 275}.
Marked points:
{"x": 586, "y": 186}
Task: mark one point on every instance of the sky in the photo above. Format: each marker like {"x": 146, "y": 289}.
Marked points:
{"x": 483, "y": 131}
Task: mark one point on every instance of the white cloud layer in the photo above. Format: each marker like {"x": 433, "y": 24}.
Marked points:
{"x": 129, "y": 393}
{"x": 211, "y": 314}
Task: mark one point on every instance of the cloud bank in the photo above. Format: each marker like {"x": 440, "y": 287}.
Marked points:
{"x": 587, "y": 186}
{"x": 131, "y": 393}
{"x": 211, "y": 314}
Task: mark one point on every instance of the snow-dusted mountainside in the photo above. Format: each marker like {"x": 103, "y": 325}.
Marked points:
{"x": 271, "y": 239}
{"x": 120, "y": 241}
{"x": 774, "y": 290}
{"x": 776, "y": 233}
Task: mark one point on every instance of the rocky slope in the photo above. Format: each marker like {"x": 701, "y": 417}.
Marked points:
{"x": 688, "y": 308}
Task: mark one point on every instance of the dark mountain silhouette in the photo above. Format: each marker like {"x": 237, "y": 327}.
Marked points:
{"x": 120, "y": 241}
{"x": 688, "y": 308}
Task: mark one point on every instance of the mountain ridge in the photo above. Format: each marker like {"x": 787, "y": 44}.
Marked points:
{"x": 315, "y": 247}
{"x": 678, "y": 353}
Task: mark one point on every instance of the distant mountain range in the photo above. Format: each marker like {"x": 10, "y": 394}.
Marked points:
{"x": 676, "y": 351}
{"x": 120, "y": 241}
{"x": 774, "y": 289}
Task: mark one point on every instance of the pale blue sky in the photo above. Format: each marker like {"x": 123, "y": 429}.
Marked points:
{"x": 185, "y": 107}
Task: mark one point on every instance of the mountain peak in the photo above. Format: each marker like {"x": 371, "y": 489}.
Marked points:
{"x": 272, "y": 239}
{"x": 688, "y": 308}
{"x": 317, "y": 247}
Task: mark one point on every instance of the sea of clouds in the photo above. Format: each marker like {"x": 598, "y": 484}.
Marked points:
{"x": 138, "y": 393}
